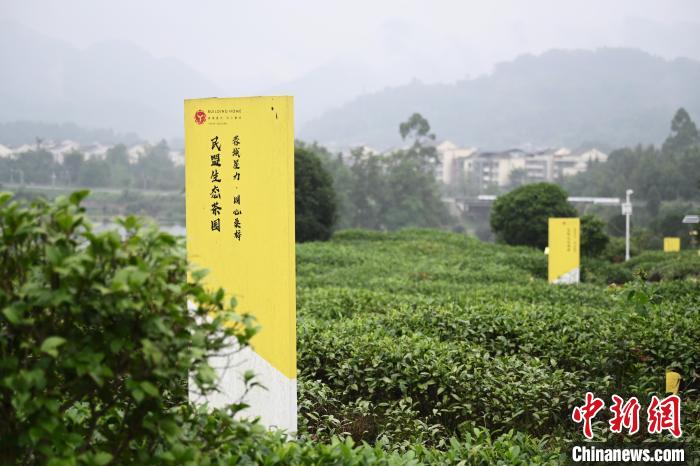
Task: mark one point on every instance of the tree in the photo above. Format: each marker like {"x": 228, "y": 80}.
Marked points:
{"x": 314, "y": 198}
{"x": 94, "y": 173}
{"x": 653, "y": 197}
{"x": 156, "y": 170}
{"x": 521, "y": 216}
{"x": 669, "y": 221}
{"x": 684, "y": 133}
{"x": 117, "y": 157}
{"x": 394, "y": 190}
{"x": 367, "y": 196}
{"x": 37, "y": 166}
{"x": 72, "y": 163}
{"x": 411, "y": 191}
{"x": 593, "y": 237}
{"x": 652, "y": 174}
{"x": 417, "y": 127}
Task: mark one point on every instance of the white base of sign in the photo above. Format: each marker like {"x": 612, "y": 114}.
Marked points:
{"x": 569, "y": 277}
{"x": 276, "y": 404}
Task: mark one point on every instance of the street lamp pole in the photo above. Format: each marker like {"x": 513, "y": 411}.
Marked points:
{"x": 627, "y": 212}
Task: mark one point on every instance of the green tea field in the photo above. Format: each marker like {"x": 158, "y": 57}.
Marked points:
{"x": 416, "y": 347}
{"x": 443, "y": 348}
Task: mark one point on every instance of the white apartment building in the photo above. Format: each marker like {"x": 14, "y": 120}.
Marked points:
{"x": 498, "y": 168}
{"x": 451, "y": 161}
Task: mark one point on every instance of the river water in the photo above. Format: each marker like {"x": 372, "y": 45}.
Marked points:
{"x": 176, "y": 230}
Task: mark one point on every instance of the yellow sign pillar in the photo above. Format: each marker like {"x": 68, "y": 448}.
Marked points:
{"x": 563, "y": 260}
{"x": 673, "y": 382}
{"x": 672, "y": 244}
{"x": 239, "y": 163}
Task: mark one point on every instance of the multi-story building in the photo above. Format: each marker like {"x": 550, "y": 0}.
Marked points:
{"x": 570, "y": 164}
{"x": 451, "y": 161}
{"x": 484, "y": 169}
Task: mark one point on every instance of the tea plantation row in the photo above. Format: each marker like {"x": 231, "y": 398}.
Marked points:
{"x": 414, "y": 338}
{"x": 96, "y": 346}
{"x": 419, "y": 347}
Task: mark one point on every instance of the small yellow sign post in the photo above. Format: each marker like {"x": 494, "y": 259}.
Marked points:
{"x": 673, "y": 382}
{"x": 672, "y": 244}
{"x": 564, "y": 254}
{"x": 239, "y": 159}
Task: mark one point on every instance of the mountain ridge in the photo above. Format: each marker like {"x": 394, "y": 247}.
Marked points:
{"x": 618, "y": 96}
{"x": 109, "y": 84}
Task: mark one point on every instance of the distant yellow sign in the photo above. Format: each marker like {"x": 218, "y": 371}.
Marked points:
{"x": 672, "y": 244}
{"x": 564, "y": 250}
{"x": 673, "y": 382}
{"x": 239, "y": 159}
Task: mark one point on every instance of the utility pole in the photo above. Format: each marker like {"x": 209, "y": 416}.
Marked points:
{"x": 627, "y": 212}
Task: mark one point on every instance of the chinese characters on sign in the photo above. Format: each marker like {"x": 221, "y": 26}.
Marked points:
{"x": 215, "y": 194}
{"x": 662, "y": 415}
{"x": 237, "y": 212}
{"x": 563, "y": 259}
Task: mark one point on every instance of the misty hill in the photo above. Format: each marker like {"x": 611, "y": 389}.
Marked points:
{"x": 609, "y": 97}
{"x": 16, "y": 133}
{"x": 111, "y": 84}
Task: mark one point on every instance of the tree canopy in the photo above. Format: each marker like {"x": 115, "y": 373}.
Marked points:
{"x": 521, "y": 216}
{"x": 684, "y": 133}
{"x": 154, "y": 169}
{"x": 390, "y": 191}
{"x": 314, "y": 197}
{"x": 667, "y": 174}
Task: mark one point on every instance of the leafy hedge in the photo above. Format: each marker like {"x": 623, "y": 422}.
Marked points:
{"x": 415, "y": 347}
{"x": 418, "y": 336}
{"x": 96, "y": 343}
{"x": 97, "y": 346}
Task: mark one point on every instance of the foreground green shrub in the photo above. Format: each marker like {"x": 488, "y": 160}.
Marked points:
{"x": 96, "y": 342}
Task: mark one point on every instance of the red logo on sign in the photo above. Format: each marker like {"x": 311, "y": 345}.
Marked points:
{"x": 200, "y": 117}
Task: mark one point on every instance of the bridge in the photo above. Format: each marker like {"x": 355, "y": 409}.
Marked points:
{"x": 482, "y": 202}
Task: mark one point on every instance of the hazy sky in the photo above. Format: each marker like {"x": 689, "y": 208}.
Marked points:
{"x": 326, "y": 53}
{"x": 257, "y": 44}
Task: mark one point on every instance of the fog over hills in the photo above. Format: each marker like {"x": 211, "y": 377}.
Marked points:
{"x": 111, "y": 84}
{"x": 607, "y": 96}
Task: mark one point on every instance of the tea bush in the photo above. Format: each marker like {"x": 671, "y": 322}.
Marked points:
{"x": 97, "y": 346}
{"x": 418, "y": 336}
{"x": 96, "y": 343}
{"x": 415, "y": 347}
